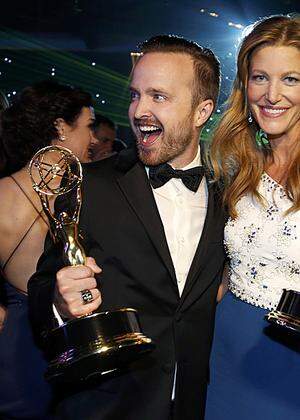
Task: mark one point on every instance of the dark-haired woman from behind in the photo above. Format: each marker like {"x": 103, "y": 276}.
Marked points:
{"x": 45, "y": 113}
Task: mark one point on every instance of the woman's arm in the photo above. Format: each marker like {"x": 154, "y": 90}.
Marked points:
{"x": 224, "y": 285}
{"x": 2, "y": 316}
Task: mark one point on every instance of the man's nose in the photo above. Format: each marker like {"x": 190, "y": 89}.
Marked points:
{"x": 142, "y": 109}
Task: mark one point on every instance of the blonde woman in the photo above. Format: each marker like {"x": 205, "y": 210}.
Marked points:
{"x": 256, "y": 155}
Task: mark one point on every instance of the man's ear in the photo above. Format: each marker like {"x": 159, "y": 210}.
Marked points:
{"x": 203, "y": 112}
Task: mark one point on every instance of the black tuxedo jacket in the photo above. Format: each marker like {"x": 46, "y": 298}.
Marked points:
{"x": 124, "y": 233}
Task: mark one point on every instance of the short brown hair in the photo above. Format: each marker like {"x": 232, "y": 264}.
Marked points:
{"x": 206, "y": 64}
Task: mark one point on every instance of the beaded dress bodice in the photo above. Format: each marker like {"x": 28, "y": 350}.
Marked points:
{"x": 263, "y": 245}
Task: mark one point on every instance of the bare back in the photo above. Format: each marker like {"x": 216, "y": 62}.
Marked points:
{"x": 23, "y": 228}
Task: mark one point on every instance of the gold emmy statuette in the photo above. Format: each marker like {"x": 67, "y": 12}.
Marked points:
{"x": 101, "y": 342}
{"x": 287, "y": 313}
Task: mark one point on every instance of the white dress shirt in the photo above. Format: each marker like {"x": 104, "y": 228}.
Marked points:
{"x": 183, "y": 213}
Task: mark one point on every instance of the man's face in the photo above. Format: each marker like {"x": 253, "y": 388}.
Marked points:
{"x": 160, "y": 111}
{"x": 102, "y": 142}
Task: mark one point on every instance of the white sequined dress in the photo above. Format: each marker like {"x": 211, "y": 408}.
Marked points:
{"x": 263, "y": 245}
{"x": 255, "y": 368}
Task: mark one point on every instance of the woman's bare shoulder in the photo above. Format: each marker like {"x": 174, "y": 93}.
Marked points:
{"x": 11, "y": 206}
{"x": 7, "y": 192}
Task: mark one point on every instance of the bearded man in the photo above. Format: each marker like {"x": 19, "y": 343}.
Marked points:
{"x": 154, "y": 224}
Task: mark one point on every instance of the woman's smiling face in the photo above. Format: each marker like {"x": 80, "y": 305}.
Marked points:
{"x": 273, "y": 90}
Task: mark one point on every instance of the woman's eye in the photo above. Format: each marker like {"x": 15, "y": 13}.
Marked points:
{"x": 258, "y": 78}
{"x": 291, "y": 80}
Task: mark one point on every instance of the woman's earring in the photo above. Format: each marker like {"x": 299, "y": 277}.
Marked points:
{"x": 61, "y": 136}
{"x": 60, "y": 131}
{"x": 250, "y": 119}
{"x": 261, "y": 139}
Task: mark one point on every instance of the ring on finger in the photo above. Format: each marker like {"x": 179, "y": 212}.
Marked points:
{"x": 86, "y": 296}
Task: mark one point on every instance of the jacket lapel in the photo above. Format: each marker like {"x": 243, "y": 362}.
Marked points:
{"x": 134, "y": 184}
{"x": 199, "y": 257}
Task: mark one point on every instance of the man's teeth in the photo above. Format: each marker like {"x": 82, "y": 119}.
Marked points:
{"x": 274, "y": 111}
{"x": 148, "y": 128}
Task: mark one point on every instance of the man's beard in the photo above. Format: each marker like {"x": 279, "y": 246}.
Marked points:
{"x": 172, "y": 145}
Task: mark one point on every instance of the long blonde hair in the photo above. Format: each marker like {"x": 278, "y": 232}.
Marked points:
{"x": 235, "y": 158}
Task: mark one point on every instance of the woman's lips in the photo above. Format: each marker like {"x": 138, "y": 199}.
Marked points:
{"x": 272, "y": 112}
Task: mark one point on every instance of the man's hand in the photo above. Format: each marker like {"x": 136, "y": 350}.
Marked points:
{"x": 70, "y": 282}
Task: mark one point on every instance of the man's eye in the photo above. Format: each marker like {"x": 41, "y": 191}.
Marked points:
{"x": 159, "y": 98}
{"x": 133, "y": 96}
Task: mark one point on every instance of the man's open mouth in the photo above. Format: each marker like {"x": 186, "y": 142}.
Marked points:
{"x": 148, "y": 134}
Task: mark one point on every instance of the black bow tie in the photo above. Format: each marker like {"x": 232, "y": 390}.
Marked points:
{"x": 161, "y": 174}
